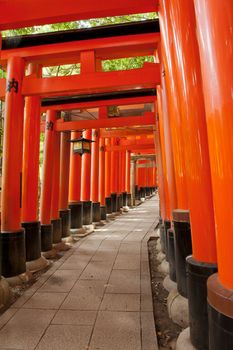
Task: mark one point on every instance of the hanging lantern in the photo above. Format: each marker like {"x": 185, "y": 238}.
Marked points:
{"x": 81, "y": 145}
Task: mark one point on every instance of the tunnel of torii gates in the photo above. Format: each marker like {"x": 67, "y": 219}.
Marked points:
{"x": 178, "y": 108}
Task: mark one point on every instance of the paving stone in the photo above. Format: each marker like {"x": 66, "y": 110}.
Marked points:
{"x": 121, "y": 302}
{"x": 146, "y": 302}
{"x": 130, "y": 248}
{"x": 127, "y": 262}
{"x": 6, "y": 316}
{"x": 24, "y": 298}
{"x": 106, "y": 255}
{"x": 25, "y": 329}
{"x": 86, "y": 295}
{"x": 97, "y": 270}
{"x": 42, "y": 300}
{"x": 63, "y": 337}
{"x": 110, "y": 244}
{"x": 76, "y": 262}
{"x": 73, "y": 317}
{"x": 149, "y": 338}
{"x": 61, "y": 281}
{"x": 124, "y": 281}
{"x": 145, "y": 269}
{"x": 69, "y": 298}
{"x": 145, "y": 284}
{"x": 116, "y": 331}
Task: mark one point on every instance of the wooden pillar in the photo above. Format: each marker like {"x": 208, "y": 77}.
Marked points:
{"x": 108, "y": 199}
{"x": 169, "y": 84}
{"x": 214, "y": 29}
{"x": 75, "y": 204}
{"x": 102, "y": 180}
{"x": 55, "y": 216}
{"x": 86, "y": 183}
{"x": 12, "y": 235}
{"x": 95, "y": 176}
{"x": 64, "y": 183}
{"x": 31, "y": 150}
{"x": 47, "y": 181}
{"x": 114, "y": 174}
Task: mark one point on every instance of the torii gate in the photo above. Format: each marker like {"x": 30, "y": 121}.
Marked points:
{"x": 59, "y": 93}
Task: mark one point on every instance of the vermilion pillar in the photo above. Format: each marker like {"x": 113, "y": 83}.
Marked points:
{"x": 12, "y": 235}
{"x": 64, "y": 183}
{"x": 161, "y": 177}
{"x": 86, "y": 183}
{"x": 108, "y": 200}
{"x": 127, "y": 177}
{"x": 55, "y": 216}
{"x": 169, "y": 174}
{"x": 123, "y": 178}
{"x": 47, "y": 181}
{"x": 114, "y": 174}
{"x": 31, "y": 150}
{"x": 186, "y": 63}
{"x": 75, "y": 203}
{"x": 181, "y": 213}
{"x": 173, "y": 105}
{"x": 95, "y": 176}
{"x": 165, "y": 138}
{"x": 215, "y": 37}
{"x": 120, "y": 180}
{"x": 101, "y": 184}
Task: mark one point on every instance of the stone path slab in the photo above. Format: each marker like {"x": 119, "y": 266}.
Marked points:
{"x": 96, "y": 297}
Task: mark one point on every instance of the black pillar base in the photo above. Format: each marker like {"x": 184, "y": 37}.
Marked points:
{"x": 129, "y": 199}
{"x": 148, "y": 191}
{"x": 162, "y": 237}
{"x": 57, "y": 230}
{"x": 65, "y": 222}
{"x": 96, "y": 212}
{"x": 32, "y": 240}
{"x": 197, "y": 275}
{"x": 220, "y": 315}
{"x": 119, "y": 201}
{"x": 46, "y": 237}
{"x": 171, "y": 255}
{"x": 103, "y": 213}
{"x": 108, "y": 204}
{"x": 142, "y": 192}
{"x": 13, "y": 253}
{"x": 183, "y": 248}
{"x": 76, "y": 214}
{"x": 124, "y": 194}
{"x": 114, "y": 202}
{"x": 87, "y": 212}
{"x": 167, "y": 226}
{"x": 136, "y": 193}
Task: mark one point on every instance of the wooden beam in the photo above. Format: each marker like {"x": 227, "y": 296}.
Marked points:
{"x": 147, "y": 77}
{"x": 24, "y": 13}
{"x": 125, "y": 133}
{"x": 147, "y": 119}
{"x": 2, "y": 88}
{"x": 101, "y": 103}
{"x": 69, "y": 52}
{"x": 132, "y": 147}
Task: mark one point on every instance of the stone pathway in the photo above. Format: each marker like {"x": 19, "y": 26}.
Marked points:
{"x": 96, "y": 297}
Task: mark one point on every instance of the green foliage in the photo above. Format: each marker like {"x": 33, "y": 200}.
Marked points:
{"x": 126, "y": 63}
{"x": 80, "y": 24}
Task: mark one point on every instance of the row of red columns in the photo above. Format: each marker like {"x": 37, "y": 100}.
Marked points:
{"x": 194, "y": 163}
{"x": 67, "y": 177}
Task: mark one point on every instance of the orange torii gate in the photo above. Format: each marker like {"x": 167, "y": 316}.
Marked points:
{"x": 193, "y": 140}
{"x": 35, "y": 52}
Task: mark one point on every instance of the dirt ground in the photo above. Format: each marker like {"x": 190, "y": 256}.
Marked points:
{"x": 167, "y": 331}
